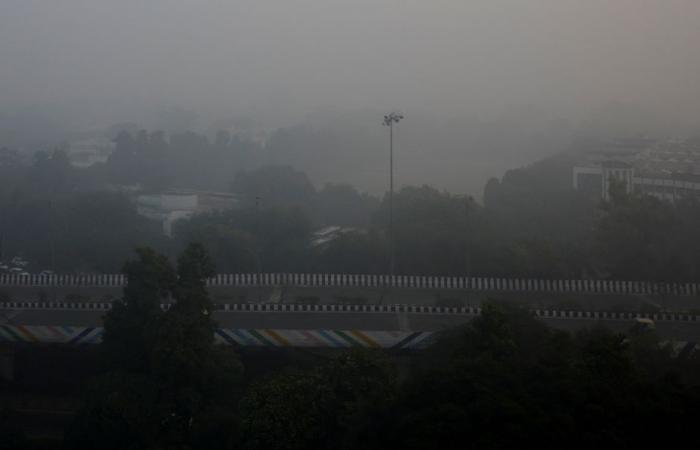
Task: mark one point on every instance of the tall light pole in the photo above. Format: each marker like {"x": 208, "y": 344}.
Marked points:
{"x": 257, "y": 246}
{"x": 52, "y": 243}
{"x": 389, "y": 121}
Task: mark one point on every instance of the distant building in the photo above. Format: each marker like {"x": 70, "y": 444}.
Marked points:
{"x": 9, "y": 158}
{"x": 86, "y": 152}
{"x": 668, "y": 169}
{"x": 170, "y": 206}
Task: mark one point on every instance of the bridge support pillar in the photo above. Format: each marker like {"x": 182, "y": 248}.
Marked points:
{"x": 7, "y": 363}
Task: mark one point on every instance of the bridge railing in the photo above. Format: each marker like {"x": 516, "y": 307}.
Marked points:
{"x": 370, "y": 309}
{"x": 33, "y": 280}
{"x": 379, "y": 281}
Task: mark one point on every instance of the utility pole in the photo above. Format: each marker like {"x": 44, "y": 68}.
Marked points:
{"x": 3, "y": 227}
{"x": 389, "y": 121}
{"x": 467, "y": 259}
{"x": 52, "y": 249}
{"x": 257, "y": 246}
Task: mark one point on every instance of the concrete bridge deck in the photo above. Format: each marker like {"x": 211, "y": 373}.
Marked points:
{"x": 583, "y": 301}
{"x": 366, "y": 318}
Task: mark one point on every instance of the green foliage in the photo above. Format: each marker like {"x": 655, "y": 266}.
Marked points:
{"x": 635, "y": 238}
{"x": 507, "y": 380}
{"x": 531, "y": 258}
{"x": 434, "y": 231}
{"x": 250, "y": 240}
{"x": 437, "y": 233}
{"x": 354, "y": 252}
{"x": 342, "y": 204}
{"x": 85, "y": 231}
{"x": 233, "y": 249}
{"x": 322, "y": 408}
{"x": 275, "y": 186}
{"x": 130, "y": 325}
{"x": 194, "y": 267}
{"x": 11, "y": 437}
{"x": 504, "y": 380}
{"x": 286, "y": 412}
{"x": 539, "y": 225}
{"x": 532, "y": 223}
{"x": 185, "y": 159}
{"x": 119, "y": 413}
{"x": 166, "y": 384}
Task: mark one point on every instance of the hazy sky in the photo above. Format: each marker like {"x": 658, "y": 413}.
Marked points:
{"x": 293, "y": 56}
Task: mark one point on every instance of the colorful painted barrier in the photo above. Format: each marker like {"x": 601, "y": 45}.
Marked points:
{"x": 262, "y": 338}
{"x": 684, "y": 349}
{"x": 324, "y": 338}
{"x": 50, "y": 334}
{"x": 608, "y": 287}
{"x": 238, "y": 337}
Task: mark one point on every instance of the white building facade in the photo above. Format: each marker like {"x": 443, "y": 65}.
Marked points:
{"x": 171, "y": 206}
{"x": 669, "y": 170}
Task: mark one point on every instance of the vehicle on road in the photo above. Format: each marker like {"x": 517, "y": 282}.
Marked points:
{"x": 643, "y": 325}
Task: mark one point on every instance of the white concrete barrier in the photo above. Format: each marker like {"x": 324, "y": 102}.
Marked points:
{"x": 610, "y": 287}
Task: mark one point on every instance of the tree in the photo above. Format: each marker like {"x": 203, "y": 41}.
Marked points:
{"x": 507, "y": 380}
{"x": 121, "y": 405}
{"x": 276, "y": 186}
{"x": 250, "y": 239}
{"x": 12, "y": 437}
{"x": 91, "y": 232}
{"x": 633, "y": 239}
{"x": 122, "y": 160}
{"x": 342, "y": 204}
{"x": 167, "y": 385}
{"x": 130, "y": 325}
{"x": 433, "y": 230}
{"x": 539, "y": 226}
{"x": 354, "y": 252}
{"x": 331, "y": 406}
{"x": 232, "y": 247}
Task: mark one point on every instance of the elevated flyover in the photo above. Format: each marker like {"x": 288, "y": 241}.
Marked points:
{"x": 285, "y": 288}
{"x": 111, "y": 281}
{"x": 318, "y": 325}
{"x": 345, "y": 310}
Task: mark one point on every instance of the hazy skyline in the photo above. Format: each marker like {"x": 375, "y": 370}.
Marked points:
{"x": 284, "y": 59}
{"x": 486, "y": 85}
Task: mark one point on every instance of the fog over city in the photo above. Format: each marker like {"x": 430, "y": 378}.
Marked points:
{"x": 485, "y": 85}
{"x": 349, "y": 224}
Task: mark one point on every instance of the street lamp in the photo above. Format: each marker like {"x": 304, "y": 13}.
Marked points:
{"x": 389, "y": 121}
{"x": 257, "y": 246}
